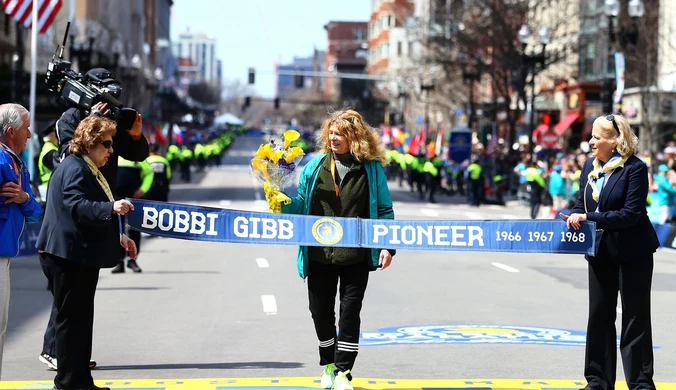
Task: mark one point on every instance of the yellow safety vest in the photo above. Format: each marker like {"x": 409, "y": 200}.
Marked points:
{"x": 45, "y": 173}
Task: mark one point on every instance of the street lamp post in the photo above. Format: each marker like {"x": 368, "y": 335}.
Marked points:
{"x": 612, "y": 10}
{"x": 402, "y": 105}
{"x": 471, "y": 77}
{"x": 534, "y": 63}
{"x": 426, "y": 88}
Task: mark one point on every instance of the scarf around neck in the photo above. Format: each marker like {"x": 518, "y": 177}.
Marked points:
{"x": 104, "y": 186}
{"x": 99, "y": 178}
{"x": 597, "y": 174}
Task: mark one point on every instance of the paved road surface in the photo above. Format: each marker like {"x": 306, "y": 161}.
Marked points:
{"x": 210, "y": 310}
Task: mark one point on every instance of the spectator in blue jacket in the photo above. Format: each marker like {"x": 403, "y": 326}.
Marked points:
{"x": 557, "y": 188}
{"x": 17, "y": 203}
{"x": 666, "y": 192}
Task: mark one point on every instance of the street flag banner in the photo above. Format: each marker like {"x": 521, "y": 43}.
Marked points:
{"x": 21, "y": 10}
{"x": 619, "y": 77}
{"x": 244, "y": 227}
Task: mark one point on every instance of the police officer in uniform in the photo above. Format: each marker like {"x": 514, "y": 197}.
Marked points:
{"x": 536, "y": 184}
{"x": 133, "y": 181}
{"x": 46, "y": 159}
{"x": 159, "y": 189}
{"x": 475, "y": 182}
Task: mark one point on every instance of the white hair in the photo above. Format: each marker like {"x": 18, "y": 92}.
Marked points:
{"x": 11, "y": 115}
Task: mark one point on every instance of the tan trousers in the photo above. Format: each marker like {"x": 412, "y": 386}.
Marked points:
{"x": 4, "y": 301}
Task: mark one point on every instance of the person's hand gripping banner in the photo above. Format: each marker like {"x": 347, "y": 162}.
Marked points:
{"x": 274, "y": 166}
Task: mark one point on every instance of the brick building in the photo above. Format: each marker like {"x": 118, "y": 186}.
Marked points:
{"x": 345, "y": 53}
{"x": 385, "y": 16}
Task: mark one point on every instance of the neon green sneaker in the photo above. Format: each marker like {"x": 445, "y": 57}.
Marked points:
{"x": 341, "y": 382}
{"x": 328, "y": 376}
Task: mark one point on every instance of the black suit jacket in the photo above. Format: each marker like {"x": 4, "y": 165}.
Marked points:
{"x": 628, "y": 234}
{"x": 79, "y": 224}
{"x": 123, "y": 144}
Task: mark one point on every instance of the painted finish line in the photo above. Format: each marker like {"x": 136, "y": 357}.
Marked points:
{"x": 243, "y": 227}
{"x": 313, "y": 383}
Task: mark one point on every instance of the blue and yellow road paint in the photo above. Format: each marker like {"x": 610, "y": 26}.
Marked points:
{"x": 300, "y": 383}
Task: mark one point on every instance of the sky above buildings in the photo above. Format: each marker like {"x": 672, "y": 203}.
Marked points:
{"x": 260, "y": 33}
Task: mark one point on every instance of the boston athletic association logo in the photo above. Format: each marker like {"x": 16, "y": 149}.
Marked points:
{"x": 327, "y": 231}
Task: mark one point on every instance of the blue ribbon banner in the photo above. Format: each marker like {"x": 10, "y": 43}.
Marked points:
{"x": 243, "y": 227}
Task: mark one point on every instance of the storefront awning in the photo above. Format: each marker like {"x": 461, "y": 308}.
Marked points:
{"x": 565, "y": 123}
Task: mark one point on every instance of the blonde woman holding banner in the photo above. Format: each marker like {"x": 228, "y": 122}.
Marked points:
{"x": 613, "y": 191}
{"x": 347, "y": 180}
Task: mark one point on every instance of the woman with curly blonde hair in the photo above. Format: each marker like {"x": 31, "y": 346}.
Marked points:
{"x": 346, "y": 180}
{"x": 363, "y": 141}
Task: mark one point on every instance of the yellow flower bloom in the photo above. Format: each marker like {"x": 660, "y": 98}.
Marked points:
{"x": 293, "y": 153}
{"x": 290, "y": 136}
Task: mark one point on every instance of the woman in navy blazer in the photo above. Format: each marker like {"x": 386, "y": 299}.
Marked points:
{"x": 81, "y": 234}
{"x": 613, "y": 192}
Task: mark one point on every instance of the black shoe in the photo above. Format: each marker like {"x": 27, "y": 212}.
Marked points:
{"x": 131, "y": 264}
{"x": 118, "y": 269}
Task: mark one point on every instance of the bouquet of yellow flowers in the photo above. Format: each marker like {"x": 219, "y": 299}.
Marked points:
{"x": 273, "y": 165}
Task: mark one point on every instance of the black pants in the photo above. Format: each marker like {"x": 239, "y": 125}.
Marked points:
{"x": 633, "y": 281}
{"x": 476, "y": 187}
{"x": 322, "y": 283}
{"x": 535, "y": 200}
{"x": 74, "y": 288}
{"x": 433, "y": 183}
{"x": 49, "y": 341}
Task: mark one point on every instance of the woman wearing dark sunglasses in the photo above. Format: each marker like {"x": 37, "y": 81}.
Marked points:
{"x": 613, "y": 191}
{"x": 81, "y": 234}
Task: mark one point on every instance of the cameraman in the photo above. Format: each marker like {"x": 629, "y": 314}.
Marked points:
{"x": 128, "y": 143}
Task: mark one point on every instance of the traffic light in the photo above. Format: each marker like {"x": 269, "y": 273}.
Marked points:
{"x": 252, "y": 76}
{"x": 276, "y": 103}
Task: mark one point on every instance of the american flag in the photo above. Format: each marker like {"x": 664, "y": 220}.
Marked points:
{"x": 21, "y": 11}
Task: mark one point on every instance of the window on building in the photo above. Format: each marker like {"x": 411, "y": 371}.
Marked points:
{"x": 389, "y": 20}
{"x": 589, "y": 56}
{"x": 611, "y": 62}
{"x": 358, "y": 35}
{"x": 212, "y": 58}
{"x": 8, "y": 23}
{"x": 190, "y": 53}
{"x": 386, "y": 49}
{"x": 410, "y": 48}
{"x": 399, "y": 48}
{"x": 204, "y": 61}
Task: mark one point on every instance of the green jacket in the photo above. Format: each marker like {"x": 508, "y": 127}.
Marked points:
{"x": 380, "y": 202}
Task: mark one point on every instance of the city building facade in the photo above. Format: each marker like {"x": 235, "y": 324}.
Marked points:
{"x": 346, "y": 52}
{"x": 201, "y": 50}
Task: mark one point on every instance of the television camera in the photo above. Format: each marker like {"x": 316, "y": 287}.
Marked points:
{"x": 84, "y": 91}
